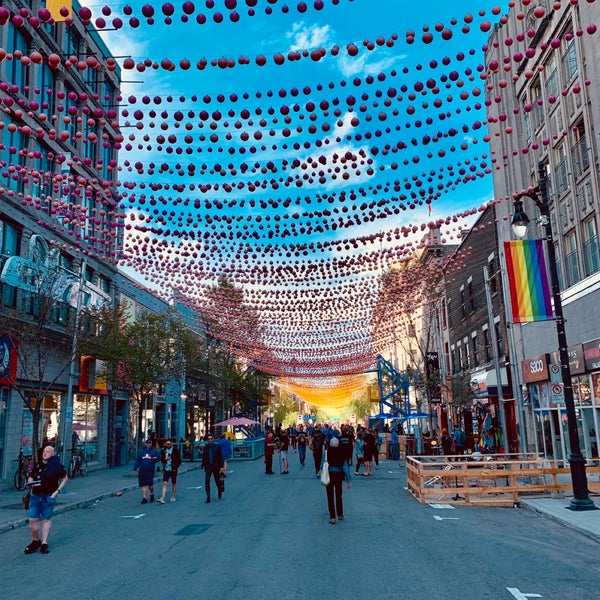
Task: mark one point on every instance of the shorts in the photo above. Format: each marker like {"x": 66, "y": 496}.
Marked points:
{"x": 170, "y": 475}
{"x": 283, "y": 453}
{"x": 41, "y": 506}
{"x": 145, "y": 479}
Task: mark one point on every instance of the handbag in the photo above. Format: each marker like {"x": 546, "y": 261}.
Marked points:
{"x": 325, "y": 472}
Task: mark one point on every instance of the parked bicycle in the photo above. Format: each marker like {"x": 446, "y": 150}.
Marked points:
{"x": 78, "y": 465}
{"x": 23, "y": 470}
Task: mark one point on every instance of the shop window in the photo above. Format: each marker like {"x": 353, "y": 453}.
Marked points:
{"x": 86, "y": 422}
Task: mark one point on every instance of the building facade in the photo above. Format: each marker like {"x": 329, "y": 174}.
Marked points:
{"x": 543, "y": 98}
{"x": 61, "y": 226}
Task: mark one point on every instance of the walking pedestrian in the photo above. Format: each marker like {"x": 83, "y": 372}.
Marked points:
{"x": 269, "y": 452}
{"x": 284, "y": 446}
{"x": 226, "y": 451}
{"x": 212, "y": 465}
{"x": 316, "y": 445}
{"x": 446, "y": 443}
{"x": 301, "y": 441}
{"x": 144, "y": 465}
{"x": 171, "y": 460}
{"x": 394, "y": 444}
{"x": 46, "y": 481}
{"x": 294, "y": 438}
{"x": 338, "y": 471}
{"x": 358, "y": 452}
{"x": 369, "y": 450}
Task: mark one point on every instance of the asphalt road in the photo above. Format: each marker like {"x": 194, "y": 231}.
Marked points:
{"x": 270, "y": 537}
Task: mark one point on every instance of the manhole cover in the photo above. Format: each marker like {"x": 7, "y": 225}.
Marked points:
{"x": 193, "y": 529}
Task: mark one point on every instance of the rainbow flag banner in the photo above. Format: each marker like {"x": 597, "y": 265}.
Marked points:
{"x": 528, "y": 281}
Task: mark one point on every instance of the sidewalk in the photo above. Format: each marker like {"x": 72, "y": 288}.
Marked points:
{"x": 586, "y": 522}
{"x": 80, "y": 492}
{"x": 105, "y": 483}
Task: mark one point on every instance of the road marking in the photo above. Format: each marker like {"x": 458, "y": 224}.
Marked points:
{"x": 133, "y": 516}
{"x": 442, "y": 506}
{"x": 445, "y": 518}
{"x": 198, "y": 487}
{"x": 519, "y": 595}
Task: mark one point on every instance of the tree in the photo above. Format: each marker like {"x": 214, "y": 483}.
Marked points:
{"x": 42, "y": 329}
{"x": 141, "y": 356}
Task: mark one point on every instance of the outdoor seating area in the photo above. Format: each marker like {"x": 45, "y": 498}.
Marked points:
{"x": 489, "y": 480}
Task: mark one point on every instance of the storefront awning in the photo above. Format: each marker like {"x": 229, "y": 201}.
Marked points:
{"x": 485, "y": 384}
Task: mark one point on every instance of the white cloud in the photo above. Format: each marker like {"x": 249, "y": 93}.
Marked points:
{"x": 306, "y": 38}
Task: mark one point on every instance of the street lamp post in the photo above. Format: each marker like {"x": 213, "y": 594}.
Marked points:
{"x": 520, "y": 221}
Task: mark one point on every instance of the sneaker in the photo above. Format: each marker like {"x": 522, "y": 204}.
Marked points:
{"x": 33, "y": 546}
{"x": 332, "y": 521}
{"x": 173, "y": 500}
{"x": 144, "y": 501}
{"x": 341, "y": 518}
{"x": 151, "y": 497}
{"x": 44, "y": 549}
{"x": 160, "y": 501}
{"x": 207, "y": 501}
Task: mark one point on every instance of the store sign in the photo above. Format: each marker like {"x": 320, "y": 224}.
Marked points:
{"x": 576, "y": 359}
{"x": 591, "y": 355}
{"x": 535, "y": 369}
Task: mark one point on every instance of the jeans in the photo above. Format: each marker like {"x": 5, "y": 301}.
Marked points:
{"x": 302, "y": 453}
{"x": 395, "y": 451}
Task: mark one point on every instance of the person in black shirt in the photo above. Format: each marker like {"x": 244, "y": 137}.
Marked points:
{"x": 316, "y": 445}
{"x": 47, "y": 479}
{"x": 212, "y": 464}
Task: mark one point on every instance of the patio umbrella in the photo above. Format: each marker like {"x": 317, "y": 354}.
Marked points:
{"x": 237, "y": 421}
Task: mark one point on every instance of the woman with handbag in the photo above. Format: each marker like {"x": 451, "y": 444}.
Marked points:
{"x": 338, "y": 471}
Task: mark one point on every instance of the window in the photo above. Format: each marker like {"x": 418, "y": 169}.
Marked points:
{"x": 463, "y": 307}
{"x": 562, "y": 170}
{"x": 571, "y": 259}
{"x": 467, "y": 353}
{"x": 471, "y": 295}
{"x": 493, "y": 276}
{"x": 579, "y": 151}
{"x": 527, "y": 122}
{"x": 551, "y": 84}
{"x": 569, "y": 61}
{"x": 487, "y": 346}
{"x": 538, "y": 105}
{"x": 16, "y": 72}
{"x": 10, "y": 243}
{"x": 591, "y": 257}
{"x": 475, "y": 349}
{"x": 499, "y": 337}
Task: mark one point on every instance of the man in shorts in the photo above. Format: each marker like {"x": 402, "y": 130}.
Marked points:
{"x": 145, "y": 464}
{"x": 284, "y": 446}
{"x": 171, "y": 459}
{"x": 46, "y": 481}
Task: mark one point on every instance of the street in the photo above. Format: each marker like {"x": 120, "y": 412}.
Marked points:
{"x": 270, "y": 537}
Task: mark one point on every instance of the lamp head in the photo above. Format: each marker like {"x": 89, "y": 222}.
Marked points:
{"x": 520, "y": 220}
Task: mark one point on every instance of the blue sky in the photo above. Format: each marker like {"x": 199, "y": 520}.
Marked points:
{"x": 262, "y": 206}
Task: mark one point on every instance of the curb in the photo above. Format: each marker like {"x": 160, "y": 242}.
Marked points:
{"x": 589, "y": 534}
{"x": 89, "y": 501}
